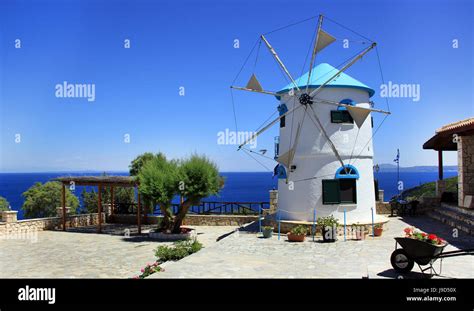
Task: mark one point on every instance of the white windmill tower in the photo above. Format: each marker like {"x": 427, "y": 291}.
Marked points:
{"x": 324, "y": 152}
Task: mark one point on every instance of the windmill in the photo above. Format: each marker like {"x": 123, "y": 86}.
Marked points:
{"x": 325, "y": 154}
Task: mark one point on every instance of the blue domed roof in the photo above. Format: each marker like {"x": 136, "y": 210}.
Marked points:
{"x": 321, "y": 73}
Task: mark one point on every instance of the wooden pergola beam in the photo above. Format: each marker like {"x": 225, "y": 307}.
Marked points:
{"x": 112, "y": 200}
{"x": 63, "y": 203}
{"x": 100, "y": 208}
{"x": 100, "y": 182}
{"x": 139, "y": 216}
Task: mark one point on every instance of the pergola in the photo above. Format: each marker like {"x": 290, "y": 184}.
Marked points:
{"x": 100, "y": 182}
{"x": 456, "y": 136}
{"x": 443, "y": 140}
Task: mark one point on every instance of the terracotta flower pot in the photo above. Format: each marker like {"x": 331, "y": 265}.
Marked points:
{"x": 295, "y": 237}
{"x": 378, "y": 231}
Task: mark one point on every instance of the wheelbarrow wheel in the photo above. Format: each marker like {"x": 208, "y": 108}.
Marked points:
{"x": 401, "y": 262}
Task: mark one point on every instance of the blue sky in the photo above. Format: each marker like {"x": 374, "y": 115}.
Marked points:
{"x": 190, "y": 44}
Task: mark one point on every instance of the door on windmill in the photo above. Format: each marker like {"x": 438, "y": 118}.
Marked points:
{"x": 342, "y": 189}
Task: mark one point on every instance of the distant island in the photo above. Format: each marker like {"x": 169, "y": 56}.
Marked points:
{"x": 415, "y": 169}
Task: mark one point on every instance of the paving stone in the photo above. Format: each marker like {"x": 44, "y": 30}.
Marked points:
{"x": 247, "y": 256}
{"x": 85, "y": 254}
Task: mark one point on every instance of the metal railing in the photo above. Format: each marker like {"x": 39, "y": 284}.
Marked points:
{"x": 204, "y": 208}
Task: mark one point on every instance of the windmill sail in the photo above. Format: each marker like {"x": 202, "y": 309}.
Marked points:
{"x": 358, "y": 114}
{"x": 295, "y": 144}
{"x": 324, "y": 39}
{"x": 253, "y": 84}
{"x": 285, "y": 158}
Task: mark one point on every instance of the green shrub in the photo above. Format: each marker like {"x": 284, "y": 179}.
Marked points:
{"x": 4, "y": 205}
{"x": 299, "y": 230}
{"x": 328, "y": 221}
{"x": 41, "y": 200}
{"x": 178, "y": 251}
{"x": 429, "y": 189}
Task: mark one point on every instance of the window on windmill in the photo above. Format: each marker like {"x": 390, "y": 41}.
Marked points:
{"x": 342, "y": 189}
{"x": 348, "y": 190}
{"x": 331, "y": 193}
{"x": 341, "y": 116}
{"x": 282, "y": 109}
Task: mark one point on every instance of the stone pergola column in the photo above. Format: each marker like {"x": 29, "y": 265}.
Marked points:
{"x": 465, "y": 168}
{"x": 9, "y": 216}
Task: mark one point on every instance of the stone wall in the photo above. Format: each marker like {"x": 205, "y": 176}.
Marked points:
{"x": 286, "y": 226}
{"x": 273, "y": 201}
{"x": 190, "y": 220}
{"x": 382, "y": 208}
{"x": 131, "y": 219}
{"x": 430, "y": 202}
{"x": 27, "y": 226}
{"x": 465, "y": 168}
{"x": 219, "y": 220}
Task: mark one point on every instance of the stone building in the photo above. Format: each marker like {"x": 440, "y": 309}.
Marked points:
{"x": 457, "y": 136}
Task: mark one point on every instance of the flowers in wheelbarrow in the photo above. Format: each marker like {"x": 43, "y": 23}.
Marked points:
{"x": 414, "y": 233}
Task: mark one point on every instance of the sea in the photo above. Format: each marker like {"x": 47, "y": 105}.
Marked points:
{"x": 239, "y": 186}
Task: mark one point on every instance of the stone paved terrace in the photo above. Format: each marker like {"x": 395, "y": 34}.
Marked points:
{"x": 245, "y": 255}
{"x": 82, "y": 253}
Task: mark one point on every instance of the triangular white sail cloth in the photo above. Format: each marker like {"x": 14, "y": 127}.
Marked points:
{"x": 358, "y": 114}
{"x": 285, "y": 158}
{"x": 253, "y": 84}
{"x": 324, "y": 39}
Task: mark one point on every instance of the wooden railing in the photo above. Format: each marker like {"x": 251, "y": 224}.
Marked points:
{"x": 205, "y": 208}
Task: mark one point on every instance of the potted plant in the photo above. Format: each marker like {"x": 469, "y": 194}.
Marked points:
{"x": 378, "y": 229}
{"x": 359, "y": 231}
{"x": 297, "y": 234}
{"x": 267, "y": 231}
{"x": 328, "y": 228}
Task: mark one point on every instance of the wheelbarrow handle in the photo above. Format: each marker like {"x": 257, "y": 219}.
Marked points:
{"x": 460, "y": 252}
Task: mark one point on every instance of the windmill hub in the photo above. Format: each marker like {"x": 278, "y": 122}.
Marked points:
{"x": 305, "y": 99}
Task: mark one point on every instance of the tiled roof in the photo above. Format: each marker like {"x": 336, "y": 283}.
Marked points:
{"x": 458, "y": 125}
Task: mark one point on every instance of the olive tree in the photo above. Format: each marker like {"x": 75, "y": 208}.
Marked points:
{"x": 199, "y": 178}
{"x": 139, "y": 161}
{"x": 41, "y": 200}
{"x": 193, "y": 178}
{"x": 159, "y": 180}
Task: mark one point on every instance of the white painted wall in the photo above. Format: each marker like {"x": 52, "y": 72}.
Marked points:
{"x": 315, "y": 158}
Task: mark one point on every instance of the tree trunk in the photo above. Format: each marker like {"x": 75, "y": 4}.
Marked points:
{"x": 166, "y": 224}
{"x": 183, "y": 210}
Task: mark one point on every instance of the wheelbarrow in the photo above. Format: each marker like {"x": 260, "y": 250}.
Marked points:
{"x": 423, "y": 254}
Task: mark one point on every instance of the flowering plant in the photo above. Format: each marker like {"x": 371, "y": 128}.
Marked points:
{"x": 414, "y": 233}
{"x": 148, "y": 269}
